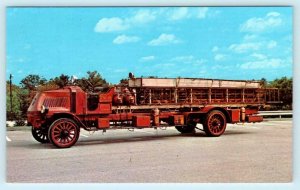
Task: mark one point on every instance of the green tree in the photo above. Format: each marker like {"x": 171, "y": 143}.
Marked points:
{"x": 93, "y": 80}
{"x": 29, "y": 87}
{"x": 264, "y": 82}
{"x": 123, "y": 81}
{"x": 285, "y": 86}
{"x": 31, "y": 82}
{"x": 61, "y": 81}
{"x": 25, "y": 98}
{"x": 14, "y": 111}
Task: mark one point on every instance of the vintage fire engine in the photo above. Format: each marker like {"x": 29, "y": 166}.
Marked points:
{"x": 58, "y": 115}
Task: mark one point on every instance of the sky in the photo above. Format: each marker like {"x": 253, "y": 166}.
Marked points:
{"x": 238, "y": 43}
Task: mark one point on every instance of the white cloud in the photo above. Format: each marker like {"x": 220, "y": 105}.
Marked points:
{"x": 202, "y": 12}
{"x": 11, "y": 59}
{"x": 272, "y": 44}
{"x": 179, "y": 13}
{"x": 142, "y": 16}
{"x": 111, "y": 25}
{"x": 244, "y": 47}
{"x": 258, "y": 56}
{"x": 164, "y": 39}
{"x": 274, "y": 14}
{"x": 252, "y": 43}
{"x": 249, "y": 37}
{"x": 271, "y": 20}
{"x": 147, "y": 58}
{"x": 220, "y": 57}
{"x": 120, "y": 24}
{"x": 215, "y": 49}
{"x": 186, "y": 59}
{"x": 263, "y": 64}
{"x": 121, "y": 39}
{"x": 165, "y": 65}
{"x": 185, "y": 13}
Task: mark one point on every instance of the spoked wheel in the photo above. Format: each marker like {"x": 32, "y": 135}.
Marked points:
{"x": 63, "y": 133}
{"x": 214, "y": 124}
{"x": 40, "y": 134}
{"x": 190, "y": 128}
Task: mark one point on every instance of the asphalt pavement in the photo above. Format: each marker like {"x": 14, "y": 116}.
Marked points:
{"x": 259, "y": 152}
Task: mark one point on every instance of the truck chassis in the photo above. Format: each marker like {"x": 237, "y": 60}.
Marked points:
{"x": 56, "y": 116}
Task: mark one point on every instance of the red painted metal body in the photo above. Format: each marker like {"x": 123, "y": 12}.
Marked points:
{"x": 254, "y": 118}
{"x": 235, "y": 115}
{"x": 103, "y": 123}
{"x": 141, "y": 121}
{"x": 177, "y": 120}
{"x": 152, "y": 103}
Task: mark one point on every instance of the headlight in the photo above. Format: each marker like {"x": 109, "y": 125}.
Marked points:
{"x": 44, "y": 109}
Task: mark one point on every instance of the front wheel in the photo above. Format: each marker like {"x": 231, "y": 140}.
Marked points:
{"x": 214, "y": 124}
{"x": 40, "y": 134}
{"x": 63, "y": 133}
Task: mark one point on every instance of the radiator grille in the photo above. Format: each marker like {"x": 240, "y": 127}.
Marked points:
{"x": 55, "y": 102}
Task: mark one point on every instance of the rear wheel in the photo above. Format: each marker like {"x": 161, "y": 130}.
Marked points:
{"x": 63, "y": 133}
{"x": 40, "y": 134}
{"x": 215, "y": 123}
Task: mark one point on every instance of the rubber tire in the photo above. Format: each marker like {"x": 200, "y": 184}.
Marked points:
{"x": 43, "y": 138}
{"x": 185, "y": 129}
{"x": 208, "y": 130}
{"x": 53, "y": 125}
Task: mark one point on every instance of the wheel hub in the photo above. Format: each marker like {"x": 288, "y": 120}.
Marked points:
{"x": 64, "y": 134}
{"x": 216, "y": 124}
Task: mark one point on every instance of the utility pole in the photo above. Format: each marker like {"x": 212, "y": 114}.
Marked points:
{"x": 10, "y": 81}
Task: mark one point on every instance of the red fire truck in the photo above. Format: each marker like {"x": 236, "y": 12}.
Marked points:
{"x": 58, "y": 115}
